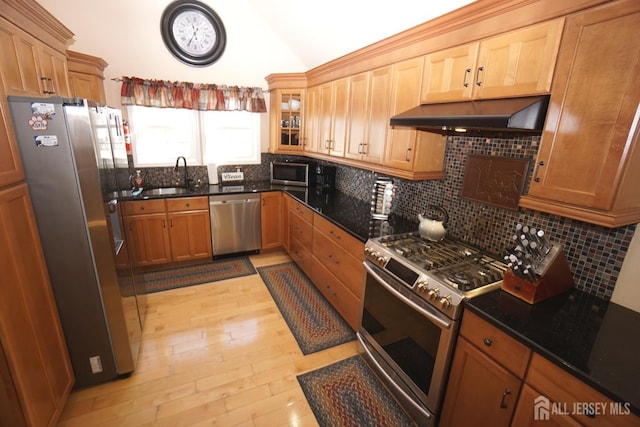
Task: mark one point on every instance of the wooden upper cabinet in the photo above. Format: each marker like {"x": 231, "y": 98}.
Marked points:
{"x": 380, "y": 92}
{"x": 11, "y": 170}
{"x": 405, "y": 94}
{"x": 54, "y": 78}
{"x": 332, "y": 117}
{"x": 368, "y": 107}
{"x": 311, "y": 139}
{"x": 516, "y": 63}
{"x": 288, "y": 117}
{"x": 448, "y": 74}
{"x": 30, "y": 66}
{"x": 588, "y": 164}
{"x": 20, "y": 56}
{"x": 86, "y": 76}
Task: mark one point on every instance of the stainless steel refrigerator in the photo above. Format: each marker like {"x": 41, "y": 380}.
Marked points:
{"x": 67, "y": 148}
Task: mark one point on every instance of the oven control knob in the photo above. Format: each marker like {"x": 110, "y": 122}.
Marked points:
{"x": 433, "y": 293}
{"x": 380, "y": 259}
{"x": 445, "y": 301}
{"x": 423, "y": 286}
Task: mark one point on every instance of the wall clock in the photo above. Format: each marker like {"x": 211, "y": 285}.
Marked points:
{"x": 193, "y": 32}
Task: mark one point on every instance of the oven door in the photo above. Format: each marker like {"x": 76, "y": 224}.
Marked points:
{"x": 408, "y": 342}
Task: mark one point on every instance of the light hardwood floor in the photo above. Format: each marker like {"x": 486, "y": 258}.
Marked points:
{"x": 217, "y": 354}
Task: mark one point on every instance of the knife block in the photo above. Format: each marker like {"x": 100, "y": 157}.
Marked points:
{"x": 556, "y": 279}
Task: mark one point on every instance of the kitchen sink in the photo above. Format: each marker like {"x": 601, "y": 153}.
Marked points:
{"x": 165, "y": 191}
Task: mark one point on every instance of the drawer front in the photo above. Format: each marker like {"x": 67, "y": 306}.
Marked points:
{"x": 187, "y": 204}
{"x": 505, "y": 350}
{"x": 340, "y": 237}
{"x": 345, "y": 303}
{"x": 302, "y": 210}
{"x": 301, "y": 230}
{"x": 301, "y": 255}
{"x": 346, "y": 267}
{"x": 144, "y": 207}
{"x": 563, "y": 388}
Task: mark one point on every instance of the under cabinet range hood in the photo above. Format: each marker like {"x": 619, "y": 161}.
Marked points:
{"x": 525, "y": 114}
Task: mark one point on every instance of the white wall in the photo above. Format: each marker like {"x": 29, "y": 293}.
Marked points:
{"x": 126, "y": 34}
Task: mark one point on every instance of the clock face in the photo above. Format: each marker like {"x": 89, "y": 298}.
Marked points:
{"x": 193, "y": 32}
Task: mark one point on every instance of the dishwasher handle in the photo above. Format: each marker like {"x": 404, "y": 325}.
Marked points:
{"x": 229, "y": 202}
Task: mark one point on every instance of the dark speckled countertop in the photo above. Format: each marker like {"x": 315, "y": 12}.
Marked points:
{"x": 593, "y": 339}
{"x": 348, "y": 212}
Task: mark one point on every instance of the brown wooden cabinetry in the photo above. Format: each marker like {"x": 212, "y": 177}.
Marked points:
{"x": 146, "y": 222}
{"x": 300, "y": 235}
{"x": 271, "y": 219}
{"x": 369, "y": 95}
{"x": 588, "y": 164}
{"x": 36, "y": 374}
{"x": 486, "y": 376}
{"x": 189, "y": 228}
{"x": 10, "y": 164}
{"x": 516, "y": 63}
{"x": 29, "y": 66}
{"x": 86, "y": 76}
{"x": 332, "y": 118}
{"x": 565, "y": 391}
{"x": 287, "y": 112}
{"x": 419, "y": 153}
{"x": 171, "y": 230}
{"x": 337, "y": 268}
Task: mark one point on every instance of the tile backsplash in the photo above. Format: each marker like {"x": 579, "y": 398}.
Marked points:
{"x": 595, "y": 254}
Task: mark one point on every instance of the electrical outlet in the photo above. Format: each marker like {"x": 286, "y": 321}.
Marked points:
{"x": 96, "y": 364}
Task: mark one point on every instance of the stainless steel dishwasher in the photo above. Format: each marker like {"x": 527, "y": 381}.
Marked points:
{"x": 235, "y": 223}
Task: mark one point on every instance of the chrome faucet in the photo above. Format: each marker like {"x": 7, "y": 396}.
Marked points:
{"x": 186, "y": 173}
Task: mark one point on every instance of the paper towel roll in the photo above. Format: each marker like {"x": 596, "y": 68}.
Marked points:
{"x": 212, "y": 170}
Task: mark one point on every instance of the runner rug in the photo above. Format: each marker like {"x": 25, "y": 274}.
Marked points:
{"x": 162, "y": 280}
{"x": 347, "y": 393}
{"x": 313, "y": 321}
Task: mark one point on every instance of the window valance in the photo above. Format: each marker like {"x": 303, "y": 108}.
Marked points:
{"x": 194, "y": 96}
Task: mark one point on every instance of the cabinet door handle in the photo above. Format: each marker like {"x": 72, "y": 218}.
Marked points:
{"x": 164, "y": 224}
{"x": 487, "y": 342}
{"x": 171, "y": 223}
{"x": 47, "y": 85}
{"x": 406, "y": 156}
{"x": 503, "y": 403}
{"x": 536, "y": 178}
{"x": 478, "y": 81}
{"x": 465, "y": 83}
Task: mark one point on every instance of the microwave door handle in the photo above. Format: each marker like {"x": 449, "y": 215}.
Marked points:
{"x": 407, "y": 301}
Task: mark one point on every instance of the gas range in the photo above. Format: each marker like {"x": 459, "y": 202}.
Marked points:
{"x": 442, "y": 273}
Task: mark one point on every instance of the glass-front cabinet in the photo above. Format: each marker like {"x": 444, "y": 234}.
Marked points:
{"x": 290, "y": 103}
{"x": 286, "y": 92}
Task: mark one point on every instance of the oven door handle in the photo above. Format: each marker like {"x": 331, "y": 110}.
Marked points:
{"x": 391, "y": 381}
{"x": 407, "y": 301}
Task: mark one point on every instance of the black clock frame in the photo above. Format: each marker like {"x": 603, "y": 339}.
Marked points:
{"x": 166, "y": 24}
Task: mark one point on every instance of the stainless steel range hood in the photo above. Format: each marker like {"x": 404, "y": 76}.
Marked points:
{"x": 525, "y": 114}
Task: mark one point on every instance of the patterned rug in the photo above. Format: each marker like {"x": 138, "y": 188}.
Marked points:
{"x": 315, "y": 324}
{"x": 162, "y": 280}
{"x": 347, "y": 393}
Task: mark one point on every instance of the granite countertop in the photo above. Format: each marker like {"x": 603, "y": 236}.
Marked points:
{"x": 350, "y": 213}
{"x": 593, "y": 339}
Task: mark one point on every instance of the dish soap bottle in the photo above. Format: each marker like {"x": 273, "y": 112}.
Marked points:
{"x": 138, "y": 180}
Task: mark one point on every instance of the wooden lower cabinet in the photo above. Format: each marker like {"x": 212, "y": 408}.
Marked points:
{"x": 35, "y": 370}
{"x": 479, "y": 390}
{"x": 271, "y": 219}
{"x": 330, "y": 257}
{"x": 168, "y": 230}
{"x": 189, "y": 228}
{"x": 301, "y": 235}
{"x": 497, "y": 381}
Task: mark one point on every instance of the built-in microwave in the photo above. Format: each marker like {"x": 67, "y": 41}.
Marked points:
{"x": 290, "y": 173}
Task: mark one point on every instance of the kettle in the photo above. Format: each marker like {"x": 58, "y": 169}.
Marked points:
{"x": 432, "y": 229}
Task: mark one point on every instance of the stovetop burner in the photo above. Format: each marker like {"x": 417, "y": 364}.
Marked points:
{"x": 459, "y": 265}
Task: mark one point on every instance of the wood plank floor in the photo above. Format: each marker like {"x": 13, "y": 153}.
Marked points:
{"x": 218, "y": 354}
